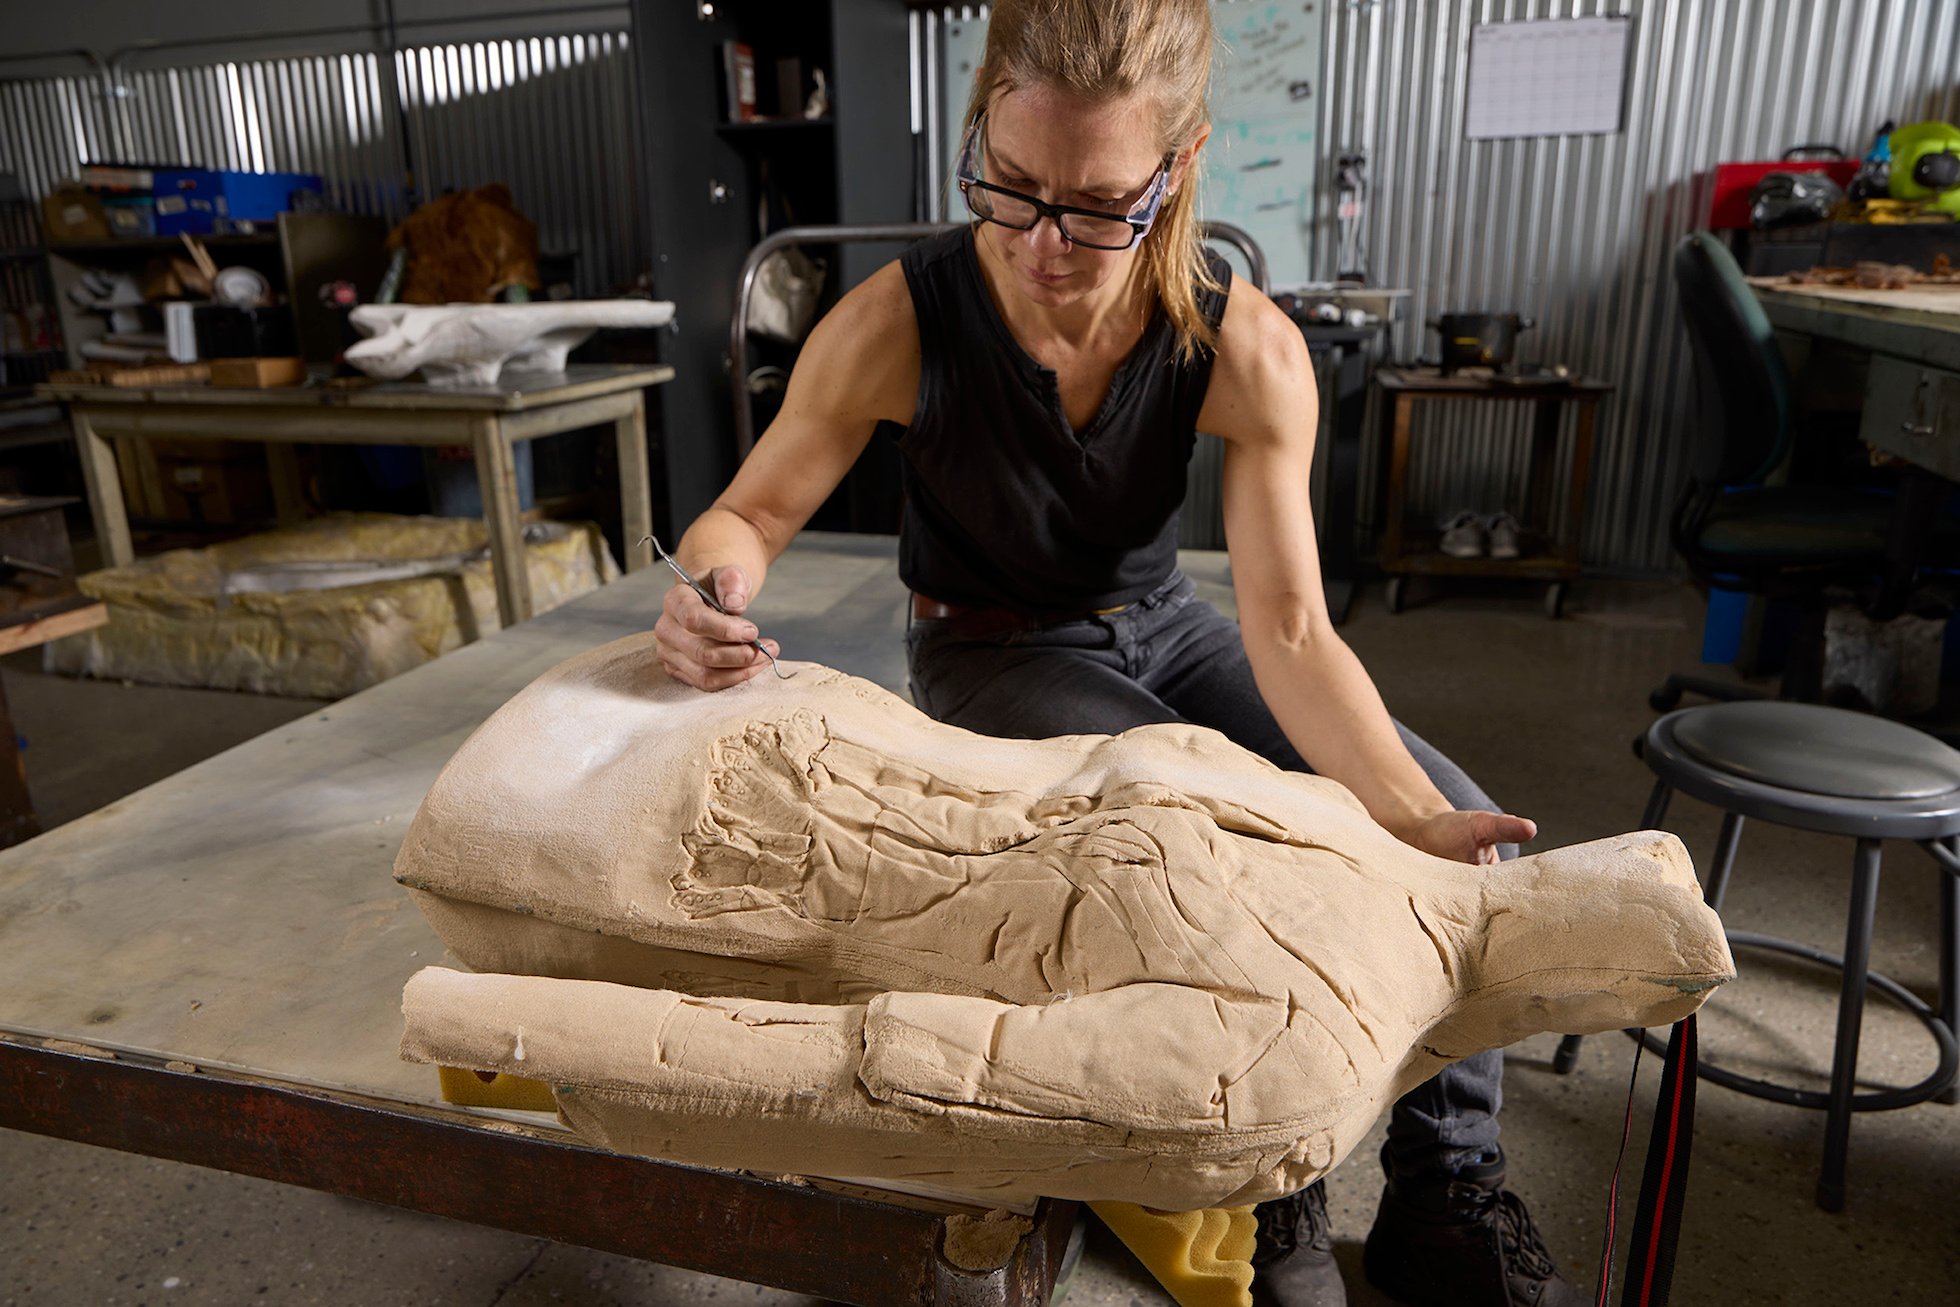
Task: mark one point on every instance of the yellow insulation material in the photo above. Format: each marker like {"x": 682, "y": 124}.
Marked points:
{"x": 1203, "y": 1258}
{"x": 167, "y": 626}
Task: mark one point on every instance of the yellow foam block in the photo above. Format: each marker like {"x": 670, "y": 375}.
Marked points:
{"x": 494, "y": 1089}
{"x": 1203, "y": 1258}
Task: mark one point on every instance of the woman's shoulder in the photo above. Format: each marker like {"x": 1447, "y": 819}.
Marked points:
{"x": 876, "y": 306}
{"x": 1261, "y": 371}
{"x": 865, "y": 351}
{"x": 1254, "y": 333}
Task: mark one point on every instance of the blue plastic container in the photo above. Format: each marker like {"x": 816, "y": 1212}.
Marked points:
{"x": 195, "y": 200}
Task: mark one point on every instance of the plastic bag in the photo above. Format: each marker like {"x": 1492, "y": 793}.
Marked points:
{"x": 783, "y": 302}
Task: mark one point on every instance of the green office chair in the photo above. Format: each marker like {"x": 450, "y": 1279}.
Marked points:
{"x": 1733, "y": 529}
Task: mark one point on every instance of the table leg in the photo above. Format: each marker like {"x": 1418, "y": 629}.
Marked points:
{"x": 1578, "y": 479}
{"x": 17, "y": 820}
{"x": 1338, "y": 564}
{"x": 105, "y": 498}
{"x": 1398, "y": 414}
{"x": 496, "y": 478}
{"x": 1544, "y": 461}
{"x": 288, "y": 488}
{"x": 635, "y": 488}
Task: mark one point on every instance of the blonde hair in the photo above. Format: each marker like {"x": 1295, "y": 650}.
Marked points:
{"x": 1103, "y": 50}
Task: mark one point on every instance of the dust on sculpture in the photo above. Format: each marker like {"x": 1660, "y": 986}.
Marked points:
{"x": 798, "y": 926}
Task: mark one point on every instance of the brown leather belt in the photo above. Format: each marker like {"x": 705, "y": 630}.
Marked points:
{"x": 980, "y": 622}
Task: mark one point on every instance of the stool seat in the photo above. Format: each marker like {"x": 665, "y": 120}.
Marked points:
{"x": 1841, "y": 773}
{"x": 1820, "y": 769}
{"x": 1819, "y": 750}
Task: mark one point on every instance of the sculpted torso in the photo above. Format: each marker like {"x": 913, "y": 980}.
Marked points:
{"x": 798, "y": 926}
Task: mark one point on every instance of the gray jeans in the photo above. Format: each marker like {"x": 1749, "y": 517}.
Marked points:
{"x": 1172, "y": 657}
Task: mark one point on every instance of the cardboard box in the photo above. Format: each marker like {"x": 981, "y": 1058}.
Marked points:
{"x": 70, "y": 212}
{"x": 230, "y": 491}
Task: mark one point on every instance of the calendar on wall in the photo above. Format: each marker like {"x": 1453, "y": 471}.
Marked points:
{"x": 1547, "y": 77}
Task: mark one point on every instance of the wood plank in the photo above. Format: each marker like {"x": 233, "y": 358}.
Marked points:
{"x": 40, "y": 630}
{"x": 105, "y": 497}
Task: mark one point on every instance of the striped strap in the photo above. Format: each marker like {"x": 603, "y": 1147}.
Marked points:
{"x": 1657, "y": 1219}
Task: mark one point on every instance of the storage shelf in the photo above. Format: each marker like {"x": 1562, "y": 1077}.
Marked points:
{"x": 159, "y": 244}
{"x": 773, "y": 125}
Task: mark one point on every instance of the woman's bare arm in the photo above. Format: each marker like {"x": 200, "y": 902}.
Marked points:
{"x": 860, "y": 366}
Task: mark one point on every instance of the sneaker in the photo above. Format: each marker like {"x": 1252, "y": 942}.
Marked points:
{"x": 1463, "y": 535}
{"x": 1504, "y": 532}
{"x": 1293, "y": 1254}
{"x": 1462, "y": 1241}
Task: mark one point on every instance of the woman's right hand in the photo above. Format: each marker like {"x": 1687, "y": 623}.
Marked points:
{"x": 703, "y": 648}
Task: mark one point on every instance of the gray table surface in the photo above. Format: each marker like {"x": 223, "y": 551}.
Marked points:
{"x": 242, "y": 914}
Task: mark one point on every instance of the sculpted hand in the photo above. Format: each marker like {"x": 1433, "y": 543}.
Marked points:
{"x": 703, "y": 648}
{"x": 1469, "y": 836}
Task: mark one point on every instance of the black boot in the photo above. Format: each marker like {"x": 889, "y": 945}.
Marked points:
{"x": 1462, "y": 1241}
{"x": 1293, "y": 1259}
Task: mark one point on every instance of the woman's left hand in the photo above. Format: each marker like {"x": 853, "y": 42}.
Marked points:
{"x": 1469, "y": 836}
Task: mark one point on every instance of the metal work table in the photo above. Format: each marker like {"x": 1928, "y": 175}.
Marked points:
{"x": 210, "y": 971}
{"x": 488, "y": 420}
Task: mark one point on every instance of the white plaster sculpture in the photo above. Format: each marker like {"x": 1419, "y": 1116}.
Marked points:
{"x": 798, "y": 926}
{"x": 458, "y": 345}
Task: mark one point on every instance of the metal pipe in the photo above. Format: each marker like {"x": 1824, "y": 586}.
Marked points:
{"x": 1241, "y": 240}
{"x": 738, "y": 322}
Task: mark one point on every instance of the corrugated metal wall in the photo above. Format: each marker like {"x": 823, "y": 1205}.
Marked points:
{"x": 1576, "y": 231}
{"x": 553, "y": 117}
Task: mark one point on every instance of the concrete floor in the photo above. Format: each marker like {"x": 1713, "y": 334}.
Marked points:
{"x": 1540, "y": 712}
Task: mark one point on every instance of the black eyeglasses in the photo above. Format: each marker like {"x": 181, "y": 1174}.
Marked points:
{"x": 1096, "y": 228}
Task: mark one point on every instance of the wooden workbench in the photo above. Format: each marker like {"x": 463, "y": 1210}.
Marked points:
{"x": 1912, "y": 386}
{"x": 210, "y": 970}
{"x": 488, "y": 420}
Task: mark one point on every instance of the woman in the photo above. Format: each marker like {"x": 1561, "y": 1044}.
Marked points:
{"x": 1050, "y": 366}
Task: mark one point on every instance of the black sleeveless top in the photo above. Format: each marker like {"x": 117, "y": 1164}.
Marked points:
{"x": 1006, "y": 505}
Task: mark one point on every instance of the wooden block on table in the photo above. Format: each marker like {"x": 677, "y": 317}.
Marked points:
{"x": 168, "y": 374}
{"x": 258, "y": 374}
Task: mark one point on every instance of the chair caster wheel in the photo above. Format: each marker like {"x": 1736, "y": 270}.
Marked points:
{"x": 1395, "y": 587}
{"x": 1555, "y": 600}
{"x": 1666, "y": 699}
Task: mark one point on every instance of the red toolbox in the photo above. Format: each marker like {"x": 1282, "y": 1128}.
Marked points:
{"x": 1728, "y": 205}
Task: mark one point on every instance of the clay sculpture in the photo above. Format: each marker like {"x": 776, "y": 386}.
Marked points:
{"x": 459, "y": 345}
{"x": 798, "y": 926}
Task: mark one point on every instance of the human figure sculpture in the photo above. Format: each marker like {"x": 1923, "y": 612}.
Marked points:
{"x": 798, "y": 926}
{"x": 458, "y": 345}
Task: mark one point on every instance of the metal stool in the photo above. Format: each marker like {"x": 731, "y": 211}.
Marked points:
{"x": 1838, "y": 773}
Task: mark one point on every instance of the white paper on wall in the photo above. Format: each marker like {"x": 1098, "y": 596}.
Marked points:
{"x": 1549, "y": 77}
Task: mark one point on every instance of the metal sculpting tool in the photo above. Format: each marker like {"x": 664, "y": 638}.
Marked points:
{"x": 710, "y": 600}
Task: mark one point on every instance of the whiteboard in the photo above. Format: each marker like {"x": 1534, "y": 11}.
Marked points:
{"x": 1265, "y": 117}
{"x": 1551, "y": 77}
{"x": 1258, "y": 169}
